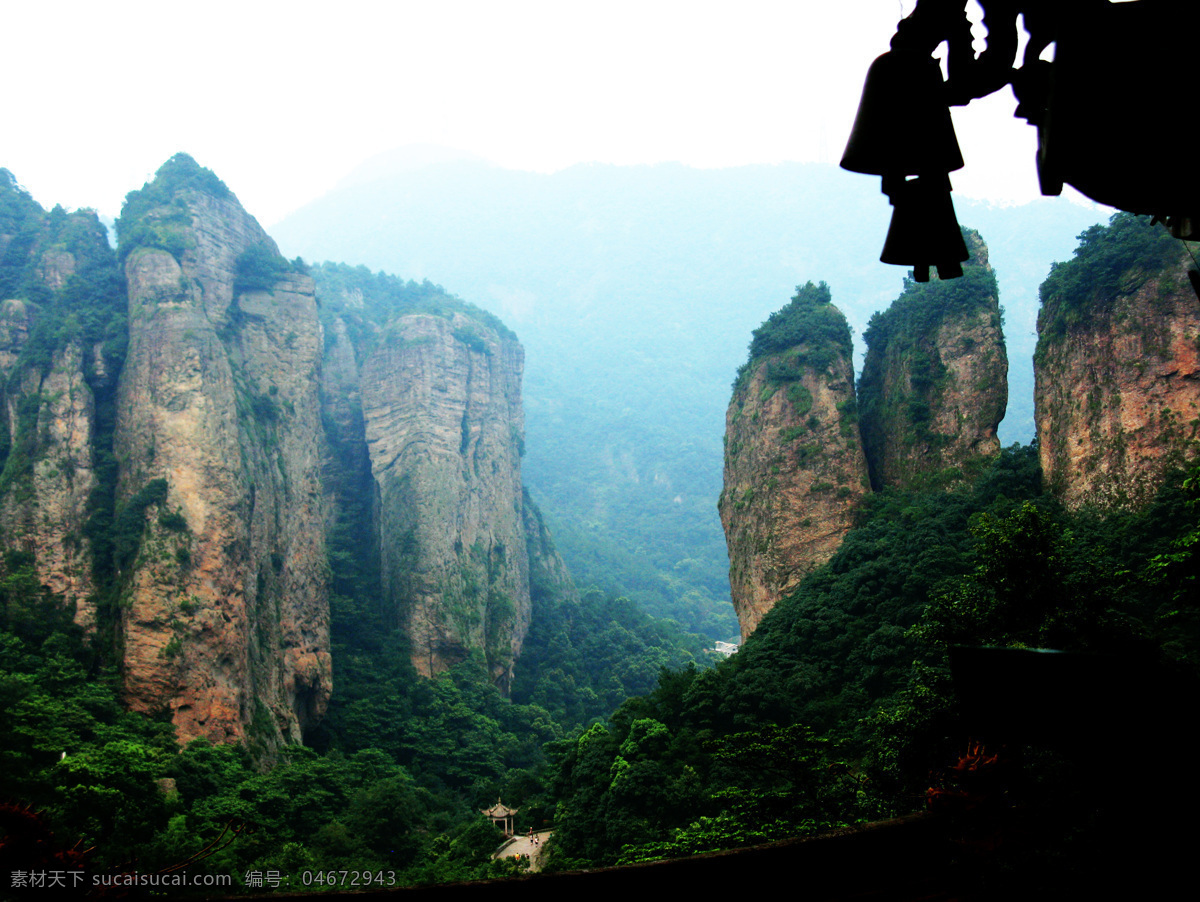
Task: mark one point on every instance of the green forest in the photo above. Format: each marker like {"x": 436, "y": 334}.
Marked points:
{"x": 838, "y": 709}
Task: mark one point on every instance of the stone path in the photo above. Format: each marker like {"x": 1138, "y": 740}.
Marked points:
{"x": 522, "y": 845}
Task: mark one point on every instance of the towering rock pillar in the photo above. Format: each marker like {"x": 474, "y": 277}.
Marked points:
{"x": 220, "y": 544}
{"x": 441, "y": 398}
{"x": 794, "y": 464}
{"x": 934, "y": 385}
{"x": 60, "y": 303}
{"x": 1117, "y": 366}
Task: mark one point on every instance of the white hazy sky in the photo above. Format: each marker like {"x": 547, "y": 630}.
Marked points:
{"x": 283, "y": 99}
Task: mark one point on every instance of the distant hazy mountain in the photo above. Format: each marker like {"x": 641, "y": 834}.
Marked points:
{"x": 635, "y": 290}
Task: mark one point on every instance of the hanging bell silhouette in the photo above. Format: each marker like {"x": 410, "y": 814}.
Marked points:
{"x": 903, "y": 125}
{"x": 924, "y": 231}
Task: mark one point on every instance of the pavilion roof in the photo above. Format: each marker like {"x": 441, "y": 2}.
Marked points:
{"x": 499, "y": 810}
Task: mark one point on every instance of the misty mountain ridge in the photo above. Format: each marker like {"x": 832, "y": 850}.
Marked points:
{"x": 634, "y": 290}
{"x": 404, "y": 159}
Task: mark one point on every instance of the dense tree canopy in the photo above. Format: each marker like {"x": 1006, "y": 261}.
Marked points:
{"x": 810, "y": 324}
{"x": 840, "y": 705}
{"x": 1111, "y": 260}
{"x": 156, "y": 215}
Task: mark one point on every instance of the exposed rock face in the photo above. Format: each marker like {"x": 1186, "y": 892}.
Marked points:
{"x": 225, "y": 610}
{"x": 50, "y": 407}
{"x": 797, "y": 458}
{"x": 175, "y": 467}
{"x": 46, "y": 512}
{"x": 1117, "y": 368}
{"x": 441, "y": 398}
{"x": 794, "y": 464}
{"x": 14, "y": 330}
{"x": 57, "y": 265}
{"x": 423, "y": 416}
{"x": 934, "y": 385}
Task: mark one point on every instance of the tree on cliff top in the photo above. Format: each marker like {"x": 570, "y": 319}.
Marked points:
{"x": 919, "y": 310}
{"x": 182, "y": 172}
{"x": 21, "y": 219}
{"x": 358, "y": 295}
{"x": 810, "y": 321}
{"x": 166, "y": 230}
{"x": 1111, "y": 260}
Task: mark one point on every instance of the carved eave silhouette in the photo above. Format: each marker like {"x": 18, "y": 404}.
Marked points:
{"x": 1107, "y": 107}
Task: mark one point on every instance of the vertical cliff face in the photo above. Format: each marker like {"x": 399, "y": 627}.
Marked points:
{"x": 224, "y": 609}
{"x": 182, "y": 439}
{"x": 794, "y": 464}
{"x": 45, "y": 510}
{"x": 423, "y": 415}
{"x": 934, "y": 385}
{"x": 441, "y": 399}
{"x": 60, "y": 308}
{"x": 802, "y": 448}
{"x": 1117, "y": 367}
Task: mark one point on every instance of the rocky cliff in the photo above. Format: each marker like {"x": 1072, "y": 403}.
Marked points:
{"x": 794, "y": 463}
{"x": 223, "y": 609}
{"x": 441, "y": 398}
{"x": 1117, "y": 366}
{"x": 422, "y": 409}
{"x": 934, "y": 384}
{"x": 802, "y": 447}
{"x": 186, "y": 436}
{"x": 61, "y": 307}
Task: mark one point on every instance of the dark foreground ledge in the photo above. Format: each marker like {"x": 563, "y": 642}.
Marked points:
{"x": 909, "y": 858}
